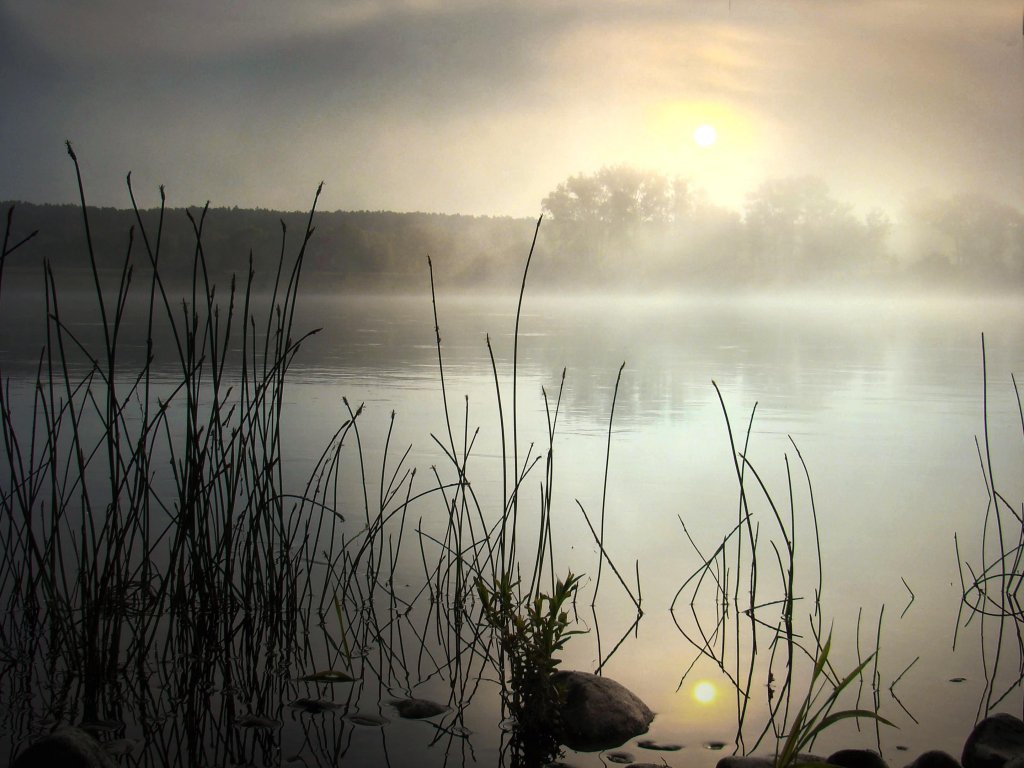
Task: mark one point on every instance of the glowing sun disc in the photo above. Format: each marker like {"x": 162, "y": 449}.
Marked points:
{"x": 704, "y": 692}
{"x": 705, "y": 135}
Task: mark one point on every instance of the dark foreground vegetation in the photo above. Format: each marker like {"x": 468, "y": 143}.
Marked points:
{"x": 619, "y": 226}
{"x": 170, "y": 587}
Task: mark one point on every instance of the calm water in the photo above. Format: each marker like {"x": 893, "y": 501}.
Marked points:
{"x": 882, "y": 397}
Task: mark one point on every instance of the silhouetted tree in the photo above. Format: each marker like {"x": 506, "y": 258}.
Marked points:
{"x": 615, "y": 213}
{"x": 796, "y": 227}
{"x": 975, "y": 233}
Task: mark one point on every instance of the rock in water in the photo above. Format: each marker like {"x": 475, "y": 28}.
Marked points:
{"x": 748, "y": 761}
{"x": 417, "y": 709}
{"x": 599, "y": 713}
{"x": 857, "y": 758}
{"x": 994, "y": 741}
{"x": 935, "y": 758}
{"x": 658, "y": 746}
{"x": 751, "y": 761}
{"x": 66, "y": 747}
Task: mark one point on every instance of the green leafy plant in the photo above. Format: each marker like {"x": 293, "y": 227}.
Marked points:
{"x": 807, "y": 725}
{"x": 531, "y": 630}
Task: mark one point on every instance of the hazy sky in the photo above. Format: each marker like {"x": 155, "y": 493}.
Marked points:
{"x": 484, "y": 106}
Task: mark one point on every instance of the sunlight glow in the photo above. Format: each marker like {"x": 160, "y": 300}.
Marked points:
{"x": 717, "y": 145}
{"x": 704, "y": 692}
{"x": 705, "y": 135}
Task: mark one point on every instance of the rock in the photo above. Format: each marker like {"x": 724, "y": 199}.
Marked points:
{"x": 368, "y": 721}
{"x": 936, "y": 758}
{"x": 751, "y": 761}
{"x": 328, "y": 676}
{"x": 857, "y": 758}
{"x": 313, "y": 706}
{"x": 599, "y": 713}
{"x": 993, "y": 742}
{"x": 736, "y": 761}
{"x": 66, "y": 747}
{"x": 658, "y": 746}
{"x": 259, "y": 722}
{"x": 417, "y": 709}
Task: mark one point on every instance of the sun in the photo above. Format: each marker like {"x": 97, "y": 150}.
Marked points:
{"x": 705, "y": 135}
{"x": 704, "y": 692}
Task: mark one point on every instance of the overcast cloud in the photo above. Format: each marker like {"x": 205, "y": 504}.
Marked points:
{"x": 483, "y": 107}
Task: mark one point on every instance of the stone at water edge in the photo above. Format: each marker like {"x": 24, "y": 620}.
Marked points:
{"x": 658, "y": 746}
{"x": 66, "y": 747}
{"x": 857, "y": 758}
{"x": 752, "y": 761}
{"x": 418, "y": 709}
{"x": 740, "y": 761}
{"x": 599, "y": 713}
{"x": 623, "y": 758}
{"x": 994, "y": 741}
{"x": 935, "y": 758}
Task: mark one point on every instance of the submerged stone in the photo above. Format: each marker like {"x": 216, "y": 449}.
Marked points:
{"x": 257, "y": 721}
{"x": 599, "y": 713}
{"x": 313, "y": 706}
{"x": 417, "y": 709}
{"x": 369, "y": 721}
{"x": 658, "y": 746}
{"x": 328, "y": 676}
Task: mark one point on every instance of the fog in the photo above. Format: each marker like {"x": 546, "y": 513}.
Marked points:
{"x": 480, "y": 107}
{"x": 618, "y": 230}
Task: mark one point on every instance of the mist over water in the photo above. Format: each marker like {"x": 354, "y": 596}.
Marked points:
{"x": 762, "y": 373}
{"x": 882, "y": 397}
{"x": 880, "y": 394}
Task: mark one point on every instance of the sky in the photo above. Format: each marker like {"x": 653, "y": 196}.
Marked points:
{"x": 485, "y": 106}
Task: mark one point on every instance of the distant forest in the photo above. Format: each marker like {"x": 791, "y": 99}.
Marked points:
{"x": 619, "y": 228}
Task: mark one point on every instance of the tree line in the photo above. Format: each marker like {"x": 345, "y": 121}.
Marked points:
{"x": 791, "y": 231}
{"x": 617, "y": 228}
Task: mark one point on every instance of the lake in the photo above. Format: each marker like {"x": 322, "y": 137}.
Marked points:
{"x": 881, "y": 397}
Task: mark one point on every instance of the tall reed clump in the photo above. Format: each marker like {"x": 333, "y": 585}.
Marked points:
{"x": 757, "y": 638}
{"x": 509, "y": 603}
{"x": 162, "y": 560}
{"x": 992, "y": 584}
{"x": 145, "y": 513}
{"x": 515, "y": 626}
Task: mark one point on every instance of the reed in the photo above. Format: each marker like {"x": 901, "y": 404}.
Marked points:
{"x": 156, "y": 542}
{"x": 146, "y": 517}
{"x": 991, "y": 584}
{"x": 757, "y": 639}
